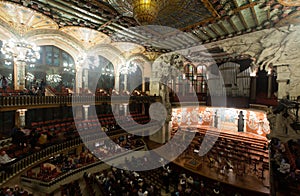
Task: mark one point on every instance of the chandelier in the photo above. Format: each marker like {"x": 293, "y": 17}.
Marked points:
{"x": 128, "y": 68}
{"x": 20, "y": 51}
{"x": 53, "y": 79}
{"x": 144, "y": 11}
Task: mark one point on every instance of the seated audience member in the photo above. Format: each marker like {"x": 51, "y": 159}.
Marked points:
{"x": 4, "y": 158}
{"x": 4, "y": 161}
{"x": 42, "y": 139}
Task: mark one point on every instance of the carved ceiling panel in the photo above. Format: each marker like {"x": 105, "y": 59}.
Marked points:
{"x": 23, "y": 20}
{"x": 204, "y": 21}
{"x": 128, "y": 48}
{"x": 88, "y": 37}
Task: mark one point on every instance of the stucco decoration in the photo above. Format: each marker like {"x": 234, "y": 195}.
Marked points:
{"x": 274, "y": 47}
{"x": 282, "y": 48}
{"x": 165, "y": 68}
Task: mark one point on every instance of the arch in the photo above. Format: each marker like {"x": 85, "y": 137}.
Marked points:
{"x": 145, "y": 67}
{"x": 100, "y": 73}
{"x": 109, "y": 52}
{"x": 61, "y": 40}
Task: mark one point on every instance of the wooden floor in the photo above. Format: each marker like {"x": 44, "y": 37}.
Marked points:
{"x": 248, "y": 182}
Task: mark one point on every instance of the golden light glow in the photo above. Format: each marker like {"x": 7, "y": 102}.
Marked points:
{"x": 145, "y": 11}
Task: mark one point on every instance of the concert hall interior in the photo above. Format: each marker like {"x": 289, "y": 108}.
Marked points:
{"x": 149, "y": 97}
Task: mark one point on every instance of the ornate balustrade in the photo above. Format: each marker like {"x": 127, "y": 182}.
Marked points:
{"x": 47, "y": 152}
{"x": 50, "y": 186}
{"x": 41, "y": 155}
{"x": 7, "y": 102}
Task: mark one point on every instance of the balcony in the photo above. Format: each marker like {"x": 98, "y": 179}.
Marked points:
{"x": 8, "y": 103}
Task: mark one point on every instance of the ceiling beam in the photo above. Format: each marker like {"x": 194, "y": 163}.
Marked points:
{"x": 213, "y": 30}
{"x": 222, "y": 27}
{"x": 195, "y": 33}
{"x": 232, "y": 25}
{"x": 202, "y": 22}
{"x": 212, "y": 19}
{"x": 238, "y": 9}
{"x": 209, "y": 6}
{"x": 202, "y": 35}
{"x": 241, "y": 17}
{"x": 206, "y": 33}
{"x": 253, "y": 12}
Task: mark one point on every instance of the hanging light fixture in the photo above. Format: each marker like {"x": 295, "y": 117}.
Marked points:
{"x": 145, "y": 11}
{"x": 20, "y": 51}
{"x": 106, "y": 71}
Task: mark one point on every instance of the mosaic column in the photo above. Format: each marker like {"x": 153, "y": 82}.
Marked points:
{"x": 20, "y": 117}
{"x": 19, "y": 75}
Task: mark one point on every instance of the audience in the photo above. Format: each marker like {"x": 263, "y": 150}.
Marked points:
{"x": 16, "y": 191}
{"x": 285, "y": 164}
{"x": 5, "y": 161}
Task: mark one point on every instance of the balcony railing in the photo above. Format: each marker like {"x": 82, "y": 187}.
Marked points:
{"x": 15, "y": 101}
{"x": 48, "y": 187}
{"x": 41, "y": 155}
{"x": 50, "y": 151}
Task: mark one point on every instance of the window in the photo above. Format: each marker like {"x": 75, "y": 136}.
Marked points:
{"x": 55, "y": 66}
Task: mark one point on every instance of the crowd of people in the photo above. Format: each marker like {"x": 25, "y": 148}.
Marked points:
{"x": 117, "y": 182}
{"x": 169, "y": 178}
{"x": 14, "y": 191}
{"x": 60, "y": 165}
{"x": 285, "y": 163}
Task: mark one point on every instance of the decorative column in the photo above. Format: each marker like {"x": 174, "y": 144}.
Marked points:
{"x": 143, "y": 84}
{"x": 85, "y": 79}
{"x": 23, "y": 54}
{"x": 86, "y": 111}
{"x": 253, "y": 80}
{"x": 125, "y": 82}
{"x": 283, "y": 80}
{"x": 19, "y": 75}
{"x": 117, "y": 82}
{"x": 20, "y": 118}
{"x": 184, "y": 84}
{"x": 270, "y": 77}
{"x": 81, "y": 60}
{"x": 78, "y": 81}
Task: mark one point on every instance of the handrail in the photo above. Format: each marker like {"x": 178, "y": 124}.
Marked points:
{"x": 26, "y": 100}
{"x": 32, "y": 159}
{"x": 53, "y": 184}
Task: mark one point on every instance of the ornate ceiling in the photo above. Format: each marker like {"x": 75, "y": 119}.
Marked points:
{"x": 202, "y": 21}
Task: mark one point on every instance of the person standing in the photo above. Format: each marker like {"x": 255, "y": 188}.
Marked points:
{"x": 42, "y": 87}
{"x": 4, "y": 83}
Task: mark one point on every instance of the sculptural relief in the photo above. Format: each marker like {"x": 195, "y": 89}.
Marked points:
{"x": 271, "y": 48}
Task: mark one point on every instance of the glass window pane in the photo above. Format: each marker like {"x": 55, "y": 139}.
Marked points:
{"x": 49, "y": 55}
{"x": 65, "y": 59}
{"x": 56, "y": 60}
